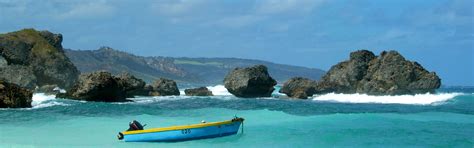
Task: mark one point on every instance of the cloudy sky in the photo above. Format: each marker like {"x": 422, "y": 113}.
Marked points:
{"x": 313, "y": 33}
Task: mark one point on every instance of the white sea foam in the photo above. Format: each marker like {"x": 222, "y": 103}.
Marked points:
{"x": 41, "y": 100}
{"x": 146, "y": 99}
{"x": 219, "y": 90}
{"x": 418, "y": 99}
{"x": 38, "y": 98}
{"x": 53, "y": 103}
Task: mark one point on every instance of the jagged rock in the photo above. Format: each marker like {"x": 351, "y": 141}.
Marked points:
{"x": 14, "y": 96}
{"x": 132, "y": 85}
{"x": 388, "y": 74}
{"x": 35, "y": 58}
{"x": 201, "y": 91}
{"x": 164, "y": 87}
{"x": 299, "y": 87}
{"x": 250, "y": 82}
{"x": 96, "y": 86}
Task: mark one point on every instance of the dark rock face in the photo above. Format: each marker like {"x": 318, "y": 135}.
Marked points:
{"x": 96, "y": 86}
{"x": 299, "y": 87}
{"x": 18, "y": 74}
{"x": 250, "y": 82}
{"x": 163, "y": 87}
{"x": 35, "y": 58}
{"x": 201, "y": 91}
{"x": 103, "y": 86}
{"x": 131, "y": 85}
{"x": 14, "y": 96}
{"x": 388, "y": 74}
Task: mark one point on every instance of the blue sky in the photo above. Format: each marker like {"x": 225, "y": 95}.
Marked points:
{"x": 439, "y": 34}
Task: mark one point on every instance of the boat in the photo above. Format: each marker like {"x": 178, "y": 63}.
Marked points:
{"x": 183, "y": 132}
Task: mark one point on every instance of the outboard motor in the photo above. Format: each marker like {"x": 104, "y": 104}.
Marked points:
{"x": 135, "y": 125}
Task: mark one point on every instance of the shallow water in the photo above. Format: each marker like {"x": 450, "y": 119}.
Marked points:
{"x": 445, "y": 119}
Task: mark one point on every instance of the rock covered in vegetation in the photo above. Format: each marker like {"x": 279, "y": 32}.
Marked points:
{"x": 14, "y": 96}
{"x": 250, "y": 82}
{"x": 299, "y": 87}
{"x": 388, "y": 74}
{"x": 201, "y": 91}
{"x": 33, "y": 58}
{"x": 164, "y": 87}
{"x": 96, "y": 86}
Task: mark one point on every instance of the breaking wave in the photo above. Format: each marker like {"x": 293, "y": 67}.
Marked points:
{"x": 418, "y": 99}
{"x": 219, "y": 90}
{"x": 41, "y": 100}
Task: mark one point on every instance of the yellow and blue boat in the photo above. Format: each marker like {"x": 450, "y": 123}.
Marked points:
{"x": 184, "y": 132}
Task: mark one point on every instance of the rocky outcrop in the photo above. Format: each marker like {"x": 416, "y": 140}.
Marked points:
{"x": 131, "y": 85}
{"x": 201, "y": 91}
{"x": 388, "y": 74}
{"x": 250, "y": 82}
{"x": 14, "y": 96}
{"x": 33, "y": 58}
{"x": 103, "y": 86}
{"x": 163, "y": 87}
{"x": 299, "y": 87}
{"x": 96, "y": 86}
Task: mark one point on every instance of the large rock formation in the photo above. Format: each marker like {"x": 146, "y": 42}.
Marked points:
{"x": 163, "y": 87}
{"x": 299, "y": 87}
{"x": 131, "y": 85}
{"x": 13, "y": 96}
{"x": 388, "y": 74}
{"x": 201, "y": 91}
{"x": 250, "y": 82}
{"x": 96, "y": 86}
{"x": 103, "y": 86}
{"x": 33, "y": 58}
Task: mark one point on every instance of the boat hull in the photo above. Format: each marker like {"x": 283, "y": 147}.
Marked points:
{"x": 183, "y": 134}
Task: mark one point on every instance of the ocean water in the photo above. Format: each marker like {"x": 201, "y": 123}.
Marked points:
{"x": 444, "y": 119}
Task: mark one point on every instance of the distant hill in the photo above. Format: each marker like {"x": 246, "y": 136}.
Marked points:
{"x": 204, "y": 71}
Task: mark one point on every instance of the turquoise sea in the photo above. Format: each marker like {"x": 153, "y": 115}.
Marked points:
{"x": 445, "y": 119}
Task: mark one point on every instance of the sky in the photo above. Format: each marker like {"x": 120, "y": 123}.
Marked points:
{"x": 439, "y": 34}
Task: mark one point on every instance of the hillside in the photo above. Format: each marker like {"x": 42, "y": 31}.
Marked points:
{"x": 205, "y": 71}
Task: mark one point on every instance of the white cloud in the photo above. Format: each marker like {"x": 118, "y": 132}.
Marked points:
{"x": 91, "y": 9}
{"x": 55, "y": 9}
{"x": 238, "y": 14}
{"x": 265, "y": 10}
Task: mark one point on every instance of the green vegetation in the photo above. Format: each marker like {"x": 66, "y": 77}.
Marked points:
{"x": 41, "y": 47}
